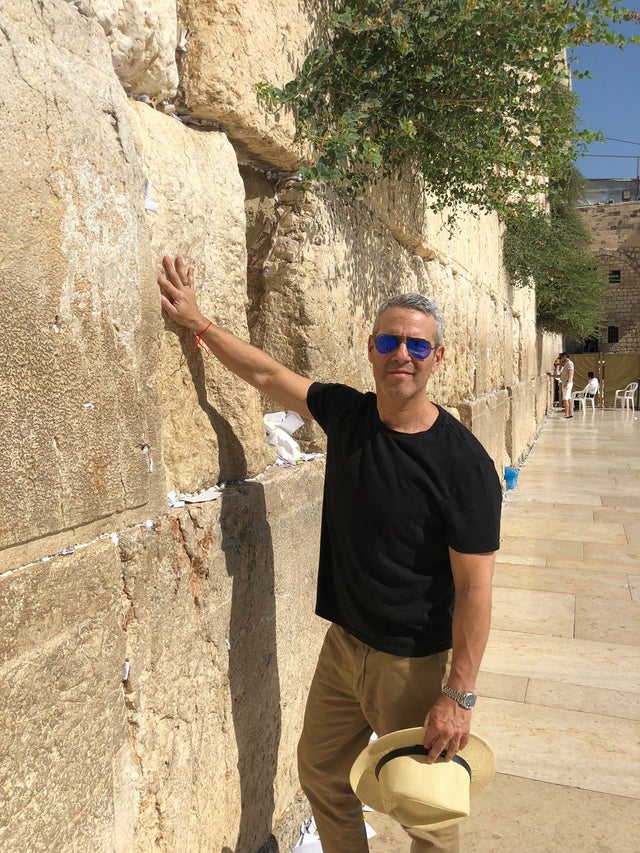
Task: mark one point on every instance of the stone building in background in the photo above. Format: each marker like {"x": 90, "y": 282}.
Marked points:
{"x": 614, "y": 356}
{"x": 615, "y": 227}
{"x": 155, "y": 659}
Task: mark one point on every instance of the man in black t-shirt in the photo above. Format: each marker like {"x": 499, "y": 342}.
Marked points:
{"x": 410, "y": 526}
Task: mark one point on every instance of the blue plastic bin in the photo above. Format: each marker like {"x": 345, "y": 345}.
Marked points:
{"x": 511, "y": 477}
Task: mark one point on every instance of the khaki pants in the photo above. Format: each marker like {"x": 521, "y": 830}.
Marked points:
{"x": 357, "y": 690}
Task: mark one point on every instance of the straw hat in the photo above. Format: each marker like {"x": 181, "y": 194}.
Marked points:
{"x": 391, "y": 776}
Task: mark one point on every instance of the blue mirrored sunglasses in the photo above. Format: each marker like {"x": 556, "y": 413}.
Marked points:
{"x": 417, "y": 348}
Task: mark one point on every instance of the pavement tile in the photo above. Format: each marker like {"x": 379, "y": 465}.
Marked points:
{"x": 533, "y": 612}
{"x": 560, "y": 527}
{"x": 604, "y": 564}
{"x": 607, "y": 621}
{"x": 500, "y": 686}
{"x": 632, "y": 532}
{"x": 624, "y": 515}
{"x": 537, "y": 551}
{"x": 563, "y": 747}
{"x": 576, "y": 697}
{"x": 608, "y": 666}
{"x": 575, "y": 580}
{"x": 623, "y": 555}
{"x": 575, "y": 514}
{"x": 516, "y": 814}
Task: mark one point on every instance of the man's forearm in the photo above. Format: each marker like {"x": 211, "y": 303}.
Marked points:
{"x": 473, "y": 577}
{"x": 471, "y": 624}
{"x": 248, "y": 362}
{"x": 448, "y": 723}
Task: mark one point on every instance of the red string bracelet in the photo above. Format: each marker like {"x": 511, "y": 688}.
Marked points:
{"x": 198, "y": 339}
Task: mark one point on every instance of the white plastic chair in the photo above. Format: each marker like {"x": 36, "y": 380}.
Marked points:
{"x": 580, "y": 399}
{"x": 627, "y": 396}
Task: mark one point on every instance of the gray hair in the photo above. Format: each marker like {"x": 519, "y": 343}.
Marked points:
{"x": 413, "y": 302}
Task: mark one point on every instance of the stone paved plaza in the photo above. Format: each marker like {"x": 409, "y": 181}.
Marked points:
{"x": 560, "y": 681}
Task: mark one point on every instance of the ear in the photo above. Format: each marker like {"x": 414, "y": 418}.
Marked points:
{"x": 437, "y": 361}
{"x": 370, "y": 347}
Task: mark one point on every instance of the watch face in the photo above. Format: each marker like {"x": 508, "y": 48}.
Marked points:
{"x": 469, "y": 700}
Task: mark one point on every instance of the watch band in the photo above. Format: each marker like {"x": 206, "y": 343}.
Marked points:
{"x": 465, "y": 700}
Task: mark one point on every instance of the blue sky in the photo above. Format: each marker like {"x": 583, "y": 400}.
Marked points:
{"x": 610, "y": 102}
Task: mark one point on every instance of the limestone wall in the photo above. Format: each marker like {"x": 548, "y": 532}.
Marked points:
{"x": 155, "y": 662}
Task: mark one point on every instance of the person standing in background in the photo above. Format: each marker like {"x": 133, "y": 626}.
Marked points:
{"x": 555, "y": 376}
{"x": 566, "y": 382}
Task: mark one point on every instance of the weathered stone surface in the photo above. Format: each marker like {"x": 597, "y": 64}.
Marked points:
{"x": 222, "y": 642}
{"x": 521, "y": 425}
{"x": 470, "y": 244}
{"x": 234, "y": 45}
{"x": 212, "y": 608}
{"x": 486, "y": 418}
{"x": 212, "y": 422}
{"x": 143, "y": 38}
{"x": 62, "y": 722}
{"x": 79, "y": 429}
{"x": 524, "y": 311}
{"x": 613, "y": 226}
{"x": 543, "y": 400}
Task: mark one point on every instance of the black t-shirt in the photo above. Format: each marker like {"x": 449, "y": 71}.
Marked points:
{"x": 393, "y": 504}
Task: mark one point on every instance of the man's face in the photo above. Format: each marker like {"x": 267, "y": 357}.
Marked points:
{"x": 398, "y": 374}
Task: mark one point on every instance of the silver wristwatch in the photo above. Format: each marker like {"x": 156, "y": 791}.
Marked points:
{"x": 465, "y": 700}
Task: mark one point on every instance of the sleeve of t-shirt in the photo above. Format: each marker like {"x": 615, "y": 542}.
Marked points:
{"x": 473, "y": 508}
{"x": 327, "y": 400}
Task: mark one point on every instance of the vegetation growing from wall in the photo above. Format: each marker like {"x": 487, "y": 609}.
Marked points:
{"x": 466, "y": 90}
{"x": 552, "y": 251}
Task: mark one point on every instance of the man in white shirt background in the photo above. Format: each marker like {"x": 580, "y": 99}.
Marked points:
{"x": 566, "y": 382}
{"x": 593, "y": 386}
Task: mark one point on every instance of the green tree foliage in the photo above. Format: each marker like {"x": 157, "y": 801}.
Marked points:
{"x": 552, "y": 251}
{"x": 467, "y": 90}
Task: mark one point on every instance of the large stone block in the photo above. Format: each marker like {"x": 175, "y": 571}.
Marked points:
{"x": 231, "y": 46}
{"x": 79, "y": 431}
{"x": 222, "y": 643}
{"x": 457, "y": 378}
{"x": 524, "y": 308}
{"x": 489, "y": 345}
{"x": 470, "y": 244}
{"x": 521, "y": 426}
{"x": 486, "y": 418}
{"x": 62, "y": 715}
{"x": 212, "y": 421}
{"x": 143, "y": 38}
{"x": 543, "y": 399}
